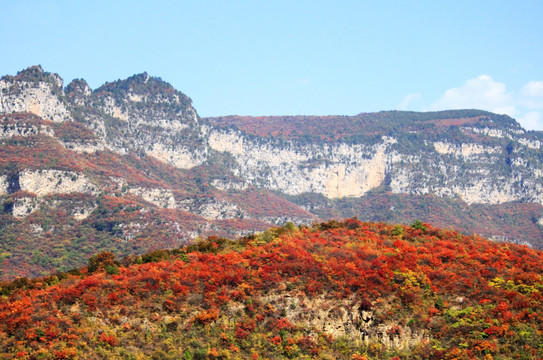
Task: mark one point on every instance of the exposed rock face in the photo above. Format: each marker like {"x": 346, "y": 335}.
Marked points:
{"x": 34, "y": 91}
{"x": 464, "y": 150}
{"x": 141, "y": 114}
{"x": 473, "y": 172}
{"x": 9, "y": 131}
{"x": 220, "y": 210}
{"x": 335, "y": 170}
{"x": 79, "y": 92}
{"x": 3, "y": 185}
{"x": 162, "y": 198}
{"x": 24, "y": 206}
{"x": 145, "y": 115}
{"x": 344, "y": 318}
{"x": 44, "y": 182}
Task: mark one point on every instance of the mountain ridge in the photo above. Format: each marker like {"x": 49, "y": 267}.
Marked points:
{"x": 139, "y": 144}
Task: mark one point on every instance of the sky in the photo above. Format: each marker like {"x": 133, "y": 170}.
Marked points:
{"x": 294, "y": 57}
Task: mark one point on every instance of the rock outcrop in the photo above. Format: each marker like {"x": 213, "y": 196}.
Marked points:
{"x": 36, "y": 92}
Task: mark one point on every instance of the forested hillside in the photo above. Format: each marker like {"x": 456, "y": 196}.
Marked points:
{"x": 335, "y": 290}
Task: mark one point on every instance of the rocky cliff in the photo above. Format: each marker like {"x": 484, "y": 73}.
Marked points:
{"x": 471, "y": 157}
{"x": 131, "y": 163}
{"x": 485, "y": 159}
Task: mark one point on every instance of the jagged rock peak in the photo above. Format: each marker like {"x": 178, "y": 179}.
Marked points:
{"x": 35, "y": 74}
{"x": 78, "y": 92}
{"x": 34, "y": 91}
{"x": 78, "y": 87}
{"x": 144, "y": 88}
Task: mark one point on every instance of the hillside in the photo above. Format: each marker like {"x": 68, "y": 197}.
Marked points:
{"x": 335, "y": 290}
{"x": 130, "y": 167}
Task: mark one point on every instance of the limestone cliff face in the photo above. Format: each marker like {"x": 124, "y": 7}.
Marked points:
{"x": 34, "y": 91}
{"x": 44, "y": 182}
{"x": 3, "y": 185}
{"x": 141, "y": 114}
{"x": 477, "y": 159}
{"x": 475, "y": 173}
{"x": 335, "y": 170}
{"x": 344, "y": 318}
{"x": 162, "y": 198}
{"x": 145, "y": 115}
{"x": 9, "y": 131}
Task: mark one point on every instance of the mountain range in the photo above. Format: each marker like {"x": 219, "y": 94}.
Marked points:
{"x": 130, "y": 167}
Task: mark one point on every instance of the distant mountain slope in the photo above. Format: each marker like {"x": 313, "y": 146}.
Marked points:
{"x": 336, "y": 290}
{"x": 357, "y": 127}
{"x": 131, "y": 167}
{"x": 464, "y": 164}
{"x": 476, "y": 156}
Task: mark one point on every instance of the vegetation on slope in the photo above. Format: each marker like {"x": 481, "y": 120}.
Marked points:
{"x": 515, "y": 221}
{"x": 361, "y": 128}
{"x": 336, "y": 290}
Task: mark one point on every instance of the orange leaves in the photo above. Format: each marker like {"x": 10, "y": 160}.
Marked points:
{"x": 485, "y": 346}
{"x": 497, "y": 331}
{"x": 207, "y": 316}
{"x": 108, "y": 339}
{"x": 244, "y": 328}
{"x": 65, "y": 354}
{"x": 281, "y": 324}
{"x": 358, "y": 357}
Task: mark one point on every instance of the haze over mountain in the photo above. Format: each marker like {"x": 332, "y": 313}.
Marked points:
{"x": 131, "y": 167}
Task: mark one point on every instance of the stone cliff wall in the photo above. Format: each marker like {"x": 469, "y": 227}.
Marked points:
{"x": 494, "y": 165}
{"x": 33, "y": 97}
{"x": 469, "y": 171}
{"x": 335, "y": 170}
{"x": 44, "y": 182}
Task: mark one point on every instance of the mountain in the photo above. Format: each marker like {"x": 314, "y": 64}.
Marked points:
{"x": 130, "y": 167}
{"x": 335, "y": 290}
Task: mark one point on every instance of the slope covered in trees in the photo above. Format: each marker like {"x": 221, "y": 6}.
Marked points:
{"x": 336, "y": 290}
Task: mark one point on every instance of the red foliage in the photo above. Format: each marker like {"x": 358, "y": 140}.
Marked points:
{"x": 109, "y": 339}
{"x": 421, "y": 270}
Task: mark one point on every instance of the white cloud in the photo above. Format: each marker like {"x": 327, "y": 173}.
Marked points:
{"x": 479, "y": 93}
{"x": 483, "y": 92}
{"x": 531, "y": 95}
{"x": 408, "y": 101}
{"x": 532, "y": 120}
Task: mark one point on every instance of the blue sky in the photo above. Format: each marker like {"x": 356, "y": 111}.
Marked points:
{"x": 294, "y": 57}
